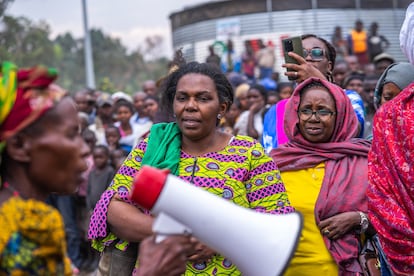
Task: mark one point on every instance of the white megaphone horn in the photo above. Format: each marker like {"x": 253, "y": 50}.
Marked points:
{"x": 259, "y": 244}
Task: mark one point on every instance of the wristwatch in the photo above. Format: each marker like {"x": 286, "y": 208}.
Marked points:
{"x": 364, "y": 223}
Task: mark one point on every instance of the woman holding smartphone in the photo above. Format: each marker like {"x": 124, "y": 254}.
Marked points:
{"x": 318, "y": 60}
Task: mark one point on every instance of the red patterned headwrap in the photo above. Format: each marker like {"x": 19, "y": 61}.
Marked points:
{"x": 24, "y": 97}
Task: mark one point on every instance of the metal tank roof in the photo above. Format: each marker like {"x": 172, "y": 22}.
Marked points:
{"x": 194, "y": 28}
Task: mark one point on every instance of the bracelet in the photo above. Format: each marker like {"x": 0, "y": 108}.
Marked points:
{"x": 364, "y": 222}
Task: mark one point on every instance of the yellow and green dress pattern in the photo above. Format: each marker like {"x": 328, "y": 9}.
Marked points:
{"x": 32, "y": 239}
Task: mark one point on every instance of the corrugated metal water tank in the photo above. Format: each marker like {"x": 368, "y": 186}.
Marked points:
{"x": 286, "y": 19}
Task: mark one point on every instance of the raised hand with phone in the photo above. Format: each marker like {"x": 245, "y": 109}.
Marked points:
{"x": 308, "y": 56}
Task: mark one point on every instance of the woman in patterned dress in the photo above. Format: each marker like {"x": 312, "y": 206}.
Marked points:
{"x": 42, "y": 152}
{"x": 193, "y": 148}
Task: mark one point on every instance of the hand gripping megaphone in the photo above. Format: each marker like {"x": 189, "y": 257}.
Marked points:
{"x": 257, "y": 243}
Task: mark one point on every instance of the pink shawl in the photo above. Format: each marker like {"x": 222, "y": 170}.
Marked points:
{"x": 345, "y": 181}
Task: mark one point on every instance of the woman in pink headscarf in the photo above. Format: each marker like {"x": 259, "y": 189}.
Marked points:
{"x": 324, "y": 167}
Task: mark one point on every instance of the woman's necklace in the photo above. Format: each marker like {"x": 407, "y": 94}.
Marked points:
{"x": 15, "y": 193}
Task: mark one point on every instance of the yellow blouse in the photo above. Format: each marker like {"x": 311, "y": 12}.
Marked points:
{"x": 311, "y": 256}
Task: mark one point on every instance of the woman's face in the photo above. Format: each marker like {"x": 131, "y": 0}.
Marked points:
{"x": 389, "y": 92}
{"x": 151, "y": 107}
{"x": 356, "y": 85}
{"x": 324, "y": 65}
{"x": 254, "y": 97}
{"x": 233, "y": 113}
{"x": 317, "y": 129}
{"x": 339, "y": 73}
{"x": 57, "y": 155}
{"x": 244, "y": 103}
{"x": 196, "y": 106}
{"x": 123, "y": 114}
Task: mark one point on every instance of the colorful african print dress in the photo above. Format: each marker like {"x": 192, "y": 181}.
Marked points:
{"x": 241, "y": 173}
{"x": 32, "y": 239}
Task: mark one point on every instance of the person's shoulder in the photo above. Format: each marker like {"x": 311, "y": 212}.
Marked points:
{"x": 142, "y": 145}
{"x": 109, "y": 169}
{"x": 245, "y": 141}
{"x": 250, "y": 148}
{"x": 271, "y": 110}
{"x": 244, "y": 114}
{"x": 242, "y": 140}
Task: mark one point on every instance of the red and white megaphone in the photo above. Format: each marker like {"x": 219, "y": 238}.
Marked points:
{"x": 257, "y": 243}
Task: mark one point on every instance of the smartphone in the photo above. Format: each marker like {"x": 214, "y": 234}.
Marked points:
{"x": 292, "y": 44}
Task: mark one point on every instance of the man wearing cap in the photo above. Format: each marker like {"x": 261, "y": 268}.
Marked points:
{"x": 120, "y": 95}
{"x": 381, "y": 62}
{"x": 104, "y": 117}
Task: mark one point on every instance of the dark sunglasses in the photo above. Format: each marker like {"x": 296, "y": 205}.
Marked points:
{"x": 316, "y": 54}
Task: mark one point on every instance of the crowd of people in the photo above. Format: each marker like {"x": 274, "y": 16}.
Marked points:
{"x": 334, "y": 144}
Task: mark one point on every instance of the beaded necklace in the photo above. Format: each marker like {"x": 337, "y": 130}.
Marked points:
{"x": 11, "y": 188}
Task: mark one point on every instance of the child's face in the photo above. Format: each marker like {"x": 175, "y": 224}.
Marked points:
{"x": 112, "y": 136}
{"x": 233, "y": 113}
{"x": 90, "y": 140}
{"x": 117, "y": 158}
{"x": 285, "y": 93}
{"x": 83, "y": 122}
{"x": 272, "y": 99}
{"x": 100, "y": 158}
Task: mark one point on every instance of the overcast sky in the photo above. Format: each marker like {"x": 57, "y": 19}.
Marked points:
{"x": 129, "y": 20}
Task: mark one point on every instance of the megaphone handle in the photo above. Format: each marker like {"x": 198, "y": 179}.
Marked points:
{"x": 164, "y": 225}
{"x": 160, "y": 237}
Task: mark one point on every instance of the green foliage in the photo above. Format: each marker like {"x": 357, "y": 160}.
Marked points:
{"x": 3, "y": 6}
{"x": 27, "y": 43}
{"x": 23, "y": 41}
{"x": 106, "y": 85}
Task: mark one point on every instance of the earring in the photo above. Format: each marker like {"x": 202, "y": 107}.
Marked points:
{"x": 219, "y": 116}
{"x": 175, "y": 116}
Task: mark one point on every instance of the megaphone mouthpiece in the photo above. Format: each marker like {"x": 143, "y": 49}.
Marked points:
{"x": 148, "y": 185}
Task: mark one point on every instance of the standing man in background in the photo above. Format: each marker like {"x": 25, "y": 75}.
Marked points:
{"x": 266, "y": 60}
{"x": 377, "y": 44}
{"x": 213, "y": 58}
{"x": 358, "y": 43}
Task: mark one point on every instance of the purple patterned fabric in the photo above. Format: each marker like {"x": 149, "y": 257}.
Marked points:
{"x": 232, "y": 173}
